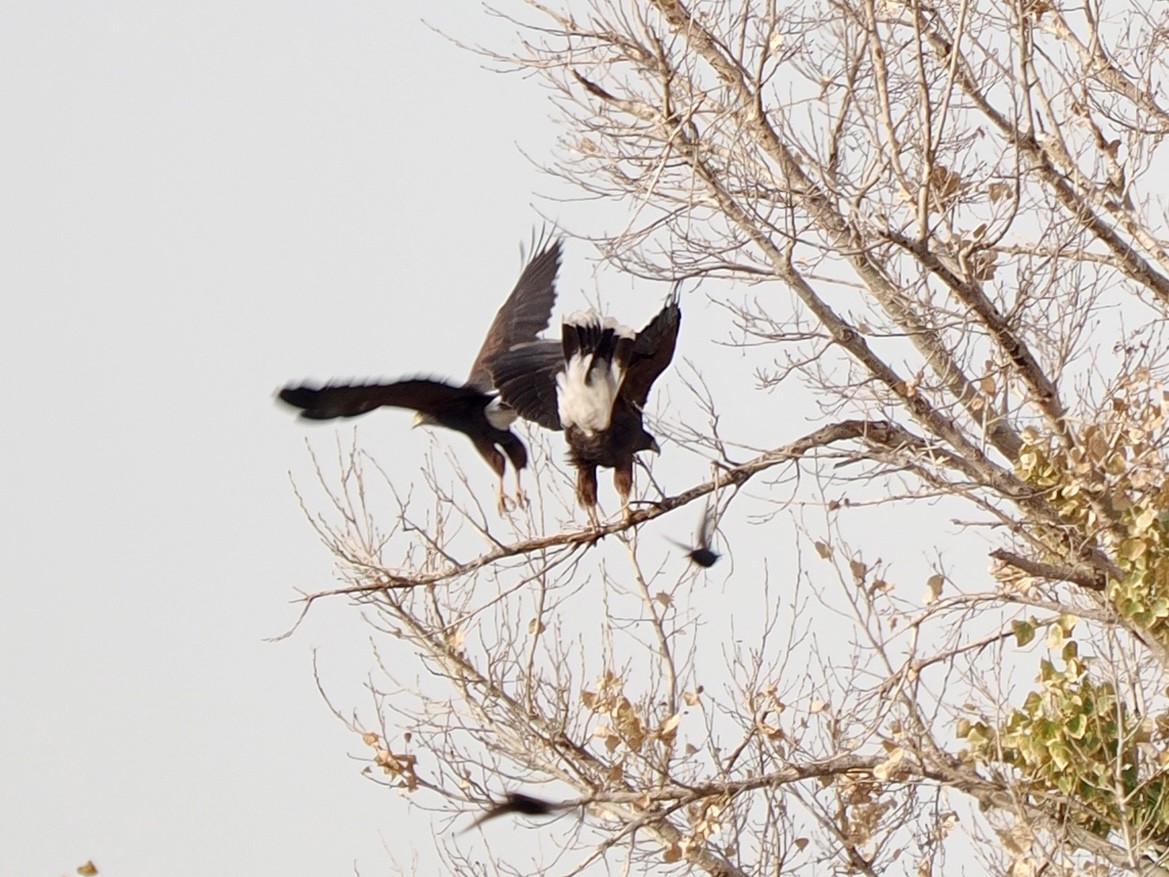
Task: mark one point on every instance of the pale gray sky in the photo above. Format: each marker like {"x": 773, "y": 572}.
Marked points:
{"x": 199, "y": 202}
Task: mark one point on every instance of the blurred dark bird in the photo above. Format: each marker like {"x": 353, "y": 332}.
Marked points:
{"x": 472, "y": 408}
{"x": 702, "y": 554}
{"x": 594, "y": 388}
{"x": 517, "y": 802}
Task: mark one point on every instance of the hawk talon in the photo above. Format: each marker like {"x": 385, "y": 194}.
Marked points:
{"x": 594, "y": 521}
{"x": 501, "y": 501}
{"x": 521, "y": 498}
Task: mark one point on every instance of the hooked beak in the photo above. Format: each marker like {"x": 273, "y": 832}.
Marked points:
{"x": 419, "y": 420}
{"x": 655, "y": 447}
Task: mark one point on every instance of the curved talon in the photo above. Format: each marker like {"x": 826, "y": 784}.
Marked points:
{"x": 501, "y": 500}
{"x": 594, "y": 529}
{"x": 594, "y": 521}
{"x": 626, "y": 511}
{"x": 521, "y": 497}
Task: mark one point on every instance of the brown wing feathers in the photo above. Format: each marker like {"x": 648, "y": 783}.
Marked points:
{"x": 524, "y": 315}
{"x": 652, "y": 352}
{"x": 518, "y": 322}
{"x": 526, "y": 379}
{"x": 326, "y": 401}
{"x": 523, "y": 368}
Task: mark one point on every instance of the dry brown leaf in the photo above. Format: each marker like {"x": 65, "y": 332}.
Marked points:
{"x": 454, "y": 639}
{"x": 998, "y": 191}
{"x": 668, "y": 729}
{"x": 887, "y": 768}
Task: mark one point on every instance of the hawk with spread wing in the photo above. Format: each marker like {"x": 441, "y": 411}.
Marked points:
{"x": 594, "y": 388}
{"x": 473, "y": 407}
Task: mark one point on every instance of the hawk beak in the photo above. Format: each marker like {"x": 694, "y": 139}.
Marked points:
{"x": 655, "y": 447}
{"x": 419, "y": 420}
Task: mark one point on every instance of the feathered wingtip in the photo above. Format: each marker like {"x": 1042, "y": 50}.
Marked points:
{"x": 544, "y": 238}
{"x": 297, "y": 396}
{"x": 312, "y": 400}
{"x": 673, "y": 303}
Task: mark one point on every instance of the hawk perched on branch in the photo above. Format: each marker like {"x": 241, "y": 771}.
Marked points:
{"x": 594, "y": 388}
{"x": 472, "y": 408}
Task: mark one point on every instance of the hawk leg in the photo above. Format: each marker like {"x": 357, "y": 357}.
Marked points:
{"x": 521, "y": 498}
{"x": 501, "y": 498}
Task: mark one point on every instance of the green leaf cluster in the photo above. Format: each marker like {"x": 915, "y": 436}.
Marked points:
{"x": 1077, "y": 746}
{"x": 1111, "y": 485}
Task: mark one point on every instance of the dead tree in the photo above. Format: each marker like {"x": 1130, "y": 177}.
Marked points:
{"x": 940, "y": 224}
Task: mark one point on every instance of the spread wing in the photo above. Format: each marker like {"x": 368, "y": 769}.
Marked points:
{"x": 652, "y": 351}
{"x": 327, "y": 401}
{"x": 525, "y": 377}
{"x": 526, "y": 312}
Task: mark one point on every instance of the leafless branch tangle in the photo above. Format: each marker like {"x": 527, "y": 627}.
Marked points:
{"x": 949, "y": 243}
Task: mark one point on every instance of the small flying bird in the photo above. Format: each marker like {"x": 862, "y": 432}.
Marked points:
{"x": 472, "y": 408}
{"x": 702, "y": 554}
{"x": 595, "y": 389}
{"x": 516, "y": 802}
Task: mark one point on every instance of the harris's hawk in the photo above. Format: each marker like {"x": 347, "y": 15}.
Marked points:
{"x": 472, "y": 408}
{"x": 594, "y": 388}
